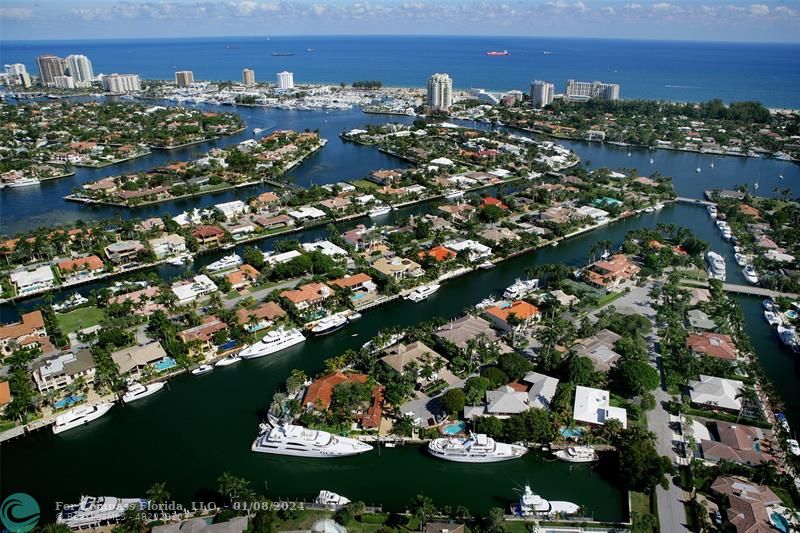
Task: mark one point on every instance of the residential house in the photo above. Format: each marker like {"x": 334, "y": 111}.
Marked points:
{"x": 203, "y": 334}
{"x": 458, "y": 212}
{"x": 712, "y": 344}
{"x": 190, "y": 290}
{"x": 438, "y": 253}
{"x": 737, "y": 443}
{"x": 361, "y": 285}
{"x": 525, "y": 312}
{"x": 399, "y": 356}
{"x": 468, "y": 328}
{"x": 325, "y": 247}
{"x": 716, "y": 393}
{"x": 28, "y": 333}
{"x": 398, "y": 268}
{"x": 284, "y": 257}
{"x": 308, "y": 295}
{"x": 81, "y": 267}
{"x": 232, "y": 210}
{"x": 262, "y": 316}
{"x": 612, "y": 272}
{"x": 29, "y": 281}
{"x": 747, "y": 503}
{"x": 592, "y": 407}
{"x": 499, "y": 234}
{"x": 307, "y": 213}
{"x": 201, "y": 525}
{"x": 444, "y": 527}
{"x": 274, "y": 222}
{"x": 172, "y": 244}
{"x": 5, "y": 395}
{"x": 699, "y": 320}
{"x": 557, "y": 215}
{"x": 243, "y": 276}
{"x": 122, "y": 252}
{"x": 61, "y": 371}
{"x": 319, "y": 394}
{"x": 385, "y": 177}
{"x": 208, "y": 235}
{"x": 535, "y": 391}
{"x": 131, "y": 361}
{"x": 474, "y": 250}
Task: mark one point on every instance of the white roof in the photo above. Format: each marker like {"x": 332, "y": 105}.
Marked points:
{"x": 285, "y": 257}
{"x": 189, "y": 291}
{"x": 307, "y": 212}
{"x": 326, "y": 247}
{"x": 592, "y": 212}
{"x": 24, "y": 278}
{"x": 468, "y": 244}
{"x": 231, "y": 209}
{"x": 442, "y": 161}
{"x": 711, "y": 390}
{"x": 591, "y": 406}
{"x": 499, "y": 172}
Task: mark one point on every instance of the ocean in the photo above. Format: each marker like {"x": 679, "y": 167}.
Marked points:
{"x": 679, "y": 71}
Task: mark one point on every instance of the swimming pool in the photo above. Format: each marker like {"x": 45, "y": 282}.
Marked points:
{"x": 791, "y": 314}
{"x": 780, "y": 522}
{"x": 568, "y": 433}
{"x": 454, "y": 428}
{"x": 165, "y": 364}
{"x": 68, "y": 401}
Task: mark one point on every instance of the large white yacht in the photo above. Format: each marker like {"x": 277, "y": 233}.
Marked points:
{"x": 750, "y": 274}
{"x": 138, "y": 391}
{"x": 330, "y": 499}
{"x": 79, "y": 416}
{"x": 329, "y": 324}
{"x": 520, "y": 288}
{"x": 94, "y": 511}
{"x": 422, "y": 292}
{"x": 274, "y": 341}
{"x": 577, "y": 454}
{"x": 302, "y": 442}
{"x": 531, "y": 504}
{"x": 22, "y": 182}
{"x": 716, "y": 266}
{"x": 380, "y": 210}
{"x": 229, "y": 261}
{"x": 474, "y": 449}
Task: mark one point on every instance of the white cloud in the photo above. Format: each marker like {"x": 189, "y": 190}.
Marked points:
{"x": 759, "y": 9}
{"x": 662, "y": 6}
{"x": 16, "y": 13}
{"x": 633, "y": 6}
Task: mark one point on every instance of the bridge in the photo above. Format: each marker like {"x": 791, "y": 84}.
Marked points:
{"x": 748, "y": 290}
{"x": 697, "y": 201}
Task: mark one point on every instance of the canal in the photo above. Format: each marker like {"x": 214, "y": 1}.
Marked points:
{"x": 203, "y": 426}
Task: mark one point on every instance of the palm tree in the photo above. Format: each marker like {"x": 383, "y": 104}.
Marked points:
{"x": 158, "y": 493}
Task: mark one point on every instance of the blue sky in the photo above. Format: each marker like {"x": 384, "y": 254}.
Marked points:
{"x": 718, "y": 20}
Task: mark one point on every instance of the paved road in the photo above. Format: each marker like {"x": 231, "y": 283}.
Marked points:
{"x": 259, "y": 294}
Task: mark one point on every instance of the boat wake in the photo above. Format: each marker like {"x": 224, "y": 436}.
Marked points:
{"x": 681, "y": 87}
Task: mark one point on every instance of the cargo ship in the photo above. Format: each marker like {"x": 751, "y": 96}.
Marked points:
{"x": 495, "y": 53}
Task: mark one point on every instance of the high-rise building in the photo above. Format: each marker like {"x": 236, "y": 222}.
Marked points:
{"x": 542, "y": 93}
{"x": 121, "y": 83}
{"x": 184, "y": 78}
{"x": 17, "y": 74}
{"x": 285, "y": 80}
{"x": 80, "y": 68}
{"x": 50, "y": 66}
{"x": 15, "y": 69}
{"x": 248, "y": 77}
{"x": 580, "y": 91}
{"x": 64, "y": 82}
{"x": 440, "y": 92}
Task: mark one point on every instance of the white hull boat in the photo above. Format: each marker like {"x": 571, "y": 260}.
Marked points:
{"x": 137, "y": 391}
{"x": 329, "y": 324}
{"x": 486, "y": 265}
{"x": 520, "y": 288}
{"x": 716, "y": 266}
{"x": 80, "y": 416}
{"x": 422, "y": 293}
{"x": 273, "y": 341}
{"x": 23, "y": 182}
{"x": 202, "y": 369}
{"x": 712, "y": 211}
{"x": 531, "y": 504}
{"x": 180, "y": 260}
{"x": 229, "y": 261}
{"x": 788, "y": 335}
{"x": 298, "y": 441}
{"x": 474, "y": 449}
{"x": 330, "y": 499}
{"x": 380, "y": 211}
{"x": 227, "y": 361}
{"x": 93, "y": 512}
{"x": 741, "y": 259}
{"x": 750, "y": 274}
{"x": 577, "y": 454}
{"x": 454, "y": 194}
{"x": 772, "y": 319}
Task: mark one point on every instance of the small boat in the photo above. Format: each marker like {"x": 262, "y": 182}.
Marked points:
{"x": 629, "y": 154}
{"x": 605, "y": 255}
{"x": 750, "y": 274}
{"x": 578, "y": 454}
{"x": 772, "y": 319}
{"x": 794, "y": 447}
{"x": 79, "y": 416}
{"x": 452, "y": 195}
{"x": 711, "y": 164}
{"x": 330, "y": 499}
{"x": 651, "y": 160}
{"x": 712, "y": 211}
{"x": 256, "y": 131}
{"x": 202, "y": 369}
{"x": 768, "y": 304}
{"x": 741, "y": 259}
{"x": 788, "y": 335}
{"x": 486, "y": 302}
{"x": 496, "y": 53}
{"x": 380, "y": 210}
{"x": 181, "y": 259}
{"x": 229, "y": 360}
{"x": 422, "y": 292}
{"x": 354, "y": 316}
{"x": 389, "y": 445}
{"x": 699, "y": 170}
{"x": 486, "y": 265}
{"x": 329, "y": 324}
{"x": 75, "y": 300}
{"x": 138, "y": 391}
{"x": 650, "y": 210}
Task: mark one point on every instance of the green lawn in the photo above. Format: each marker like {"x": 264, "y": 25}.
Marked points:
{"x": 641, "y": 504}
{"x": 364, "y": 184}
{"x": 79, "y": 319}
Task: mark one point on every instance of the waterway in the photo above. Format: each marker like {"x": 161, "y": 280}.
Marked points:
{"x": 200, "y": 427}
{"x": 26, "y": 208}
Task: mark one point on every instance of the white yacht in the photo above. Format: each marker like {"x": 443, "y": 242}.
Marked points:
{"x": 227, "y": 361}
{"x": 486, "y": 265}
{"x": 202, "y": 369}
{"x": 474, "y": 449}
{"x": 301, "y": 442}
{"x": 531, "y": 504}
{"x": 741, "y": 259}
{"x": 452, "y": 195}
{"x": 750, "y": 274}
{"x": 794, "y": 447}
{"x": 79, "y": 416}
{"x": 274, "y": 341}
{"x": 486, "y": 302}
{"x": 716, "y": 266}
{"x": 788, "y": 335}
{"x": 380, "y": 210}
{"x": 330, "y": 499}
{"x": 712, "y": 211}
{"x": 180, "y": 259}
{"x": 75, "y": 300}
{"x": 329, "y": 324}
{"x": 768, "y": 304}
{"x": 422, "y": 292}
{"x": 773, "y": 319}
{"x": 256, "y": 131}
{"x": 229, "y": 261}
{"x": 93, "y": 512}
{"x": 577, "y": 454}
{"x": 520, "y": 288}
{"x": 138, "y": 391}
{"x": 22, "y": 182}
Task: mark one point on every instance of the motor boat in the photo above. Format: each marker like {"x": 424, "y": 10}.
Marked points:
{"x": 229, "y": 360}
{"x": 486, "y": 302}
{"x": 274, "y": 341}
{"x": 772, "y": 319}
{"x": 330, "y": 499}
{"x": 478, "y": 448}
{"x": 750, "y": 274}
{"x": 74, "y": 300}
{"x": 788, "y": 335}
{"x": 452, "y": 195}
{"x": 794, "y": 447}
{"x": 768, "y": 304}
{"x": 138, "y": 391}
{"x": 202, "y": 369}
{"x": 486, "y": 265}
{"x": 22, "y": 182}
{"x": 92, "y": 512}
{"x": 298, "y": 441}
{"x": 329, "y": 324}
{"x": 520, "y": 288}
{"x": 380, "y": 210}
{"x": 741, "y": 259}
{"x": 577, "y": 454}
{"x": 353, "y": 316}
{"x": 80, "y": 416}
{"x": 229, "y": 261}
{"x": 531, "y": 504}
{"x": 712, "y": 211}
{"x": 422, "y": 292}
{"x": 180, "y": 259}
{"x": 716, "y": 266}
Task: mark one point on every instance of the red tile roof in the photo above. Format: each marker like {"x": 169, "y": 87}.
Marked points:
{"x": 440, "y": 253}
{"x": 712, "y": 344}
